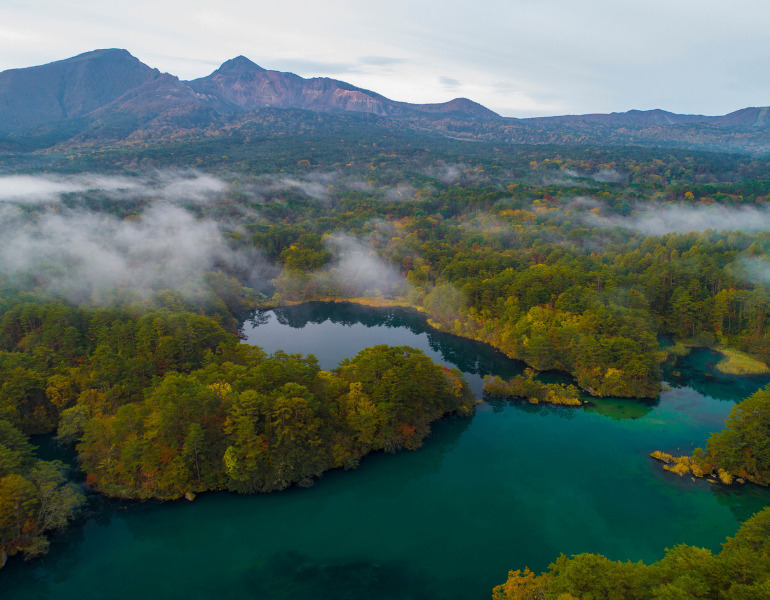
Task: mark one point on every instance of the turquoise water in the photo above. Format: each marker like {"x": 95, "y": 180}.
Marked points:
{"x": 514, "y": 485}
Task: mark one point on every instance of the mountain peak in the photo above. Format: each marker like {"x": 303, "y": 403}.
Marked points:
{"x": 117, "y": 55}
{"x": 470, "y": 107}
{"x": 105, "y": 52}
{"x": 239, "y": 64}
{"x": 68, "y": 88}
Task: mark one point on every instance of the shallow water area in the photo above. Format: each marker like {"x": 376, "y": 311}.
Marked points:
{"x": 513, "y": 486}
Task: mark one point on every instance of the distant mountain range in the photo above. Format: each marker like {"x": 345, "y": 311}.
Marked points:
{"x": 744, "y": 118}
{"x": 102, "y": 83}
{"x": 109, "y": 95}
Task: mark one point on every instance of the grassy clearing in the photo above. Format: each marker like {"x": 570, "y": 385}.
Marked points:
{"x": 673, "y": 353}
{"x": 739, "y": 363}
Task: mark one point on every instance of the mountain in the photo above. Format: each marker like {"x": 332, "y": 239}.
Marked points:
{"x": 68, "y": 88}
{"x": 746, "y": 118}
{"x": 110, "y": 91}
{"x": 240, "y": 85}
{"x": 109, "y": 97}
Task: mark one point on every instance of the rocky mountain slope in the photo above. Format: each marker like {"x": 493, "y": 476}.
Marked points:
{"x": 240, "y": 85}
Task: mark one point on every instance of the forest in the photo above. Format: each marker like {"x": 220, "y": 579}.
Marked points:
{"x": 602, "y": 263}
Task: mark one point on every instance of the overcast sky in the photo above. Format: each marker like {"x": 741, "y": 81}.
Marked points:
{"x": 518, "y": 57}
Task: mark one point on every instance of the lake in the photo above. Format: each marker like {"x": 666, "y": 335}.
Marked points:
{"x": 513, "y": 486}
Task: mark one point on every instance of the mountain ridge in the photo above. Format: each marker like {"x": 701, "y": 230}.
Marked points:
{"x": 111, "y": 80}
{"x": 110, "y": 95}
{"x": 745, "y": 117}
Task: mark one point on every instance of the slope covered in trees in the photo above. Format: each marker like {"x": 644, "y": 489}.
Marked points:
{"x": 570, "y": 259}
{"x": 35, "y": 496}
{"x": 742, "y": 448}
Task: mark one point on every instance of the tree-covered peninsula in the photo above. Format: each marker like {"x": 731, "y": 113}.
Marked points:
{"x": 163, "y": 403}
{"x": 532, "y": 390}
{"x": 740, "y": 452}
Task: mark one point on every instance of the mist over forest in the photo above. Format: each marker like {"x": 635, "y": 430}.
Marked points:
{"x": 84, "y": 236}
{"x": 126, "y": 279}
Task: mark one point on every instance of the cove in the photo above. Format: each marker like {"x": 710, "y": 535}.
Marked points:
{"x": 514, "y": 485}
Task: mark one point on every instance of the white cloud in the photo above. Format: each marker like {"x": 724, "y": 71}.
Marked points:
{"x": 656, "y": 219}
{"x": 169, "y": 185}
{"x": 359, "y": 270}
{"x": 85, "y": 255}
{"x": 36, "y": 188}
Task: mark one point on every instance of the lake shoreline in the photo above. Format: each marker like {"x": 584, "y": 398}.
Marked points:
{"x": 402, "y": 303}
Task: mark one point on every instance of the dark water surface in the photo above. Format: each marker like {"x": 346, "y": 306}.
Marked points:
{"x": 515, "y": 485}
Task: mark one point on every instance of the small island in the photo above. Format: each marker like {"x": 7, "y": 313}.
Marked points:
{"x": 533, "y": 391}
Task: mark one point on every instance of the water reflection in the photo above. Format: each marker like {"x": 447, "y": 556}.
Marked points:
{"x": 621, "y": 408}
{"x": 469, "y": 356}
{"x": 743, "y": 501}
{"x": 294, "y": 575}
{"x": 697, "y": 370}
{"x": 542, "y": 409}
{"x": 336, "y": 330}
